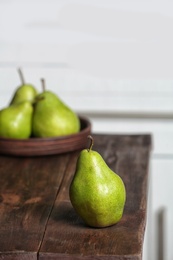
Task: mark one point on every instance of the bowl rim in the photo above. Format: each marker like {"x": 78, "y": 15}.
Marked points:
{"x": 82, "y": 119}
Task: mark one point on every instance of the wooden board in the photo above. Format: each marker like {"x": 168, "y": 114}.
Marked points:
{"x": 37, "y": 220}
{"x": 28, "y": 188}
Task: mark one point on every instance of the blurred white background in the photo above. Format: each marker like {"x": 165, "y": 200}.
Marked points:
{"x": 111, "y": 61}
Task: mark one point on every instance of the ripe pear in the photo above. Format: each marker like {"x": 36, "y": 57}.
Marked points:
{"x": 16, "y": 120}
{"x": 52, "y": 117}
{"x": 97, "y": 193}
{"x": 25, "y": 92}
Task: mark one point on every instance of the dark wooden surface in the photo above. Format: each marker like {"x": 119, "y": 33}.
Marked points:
{"x": 37, "y": 220}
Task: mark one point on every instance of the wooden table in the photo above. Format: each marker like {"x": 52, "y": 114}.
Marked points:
{"x": 37, "y": 220}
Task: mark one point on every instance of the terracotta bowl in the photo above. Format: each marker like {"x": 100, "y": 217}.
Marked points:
{"x": 47, "y": 146}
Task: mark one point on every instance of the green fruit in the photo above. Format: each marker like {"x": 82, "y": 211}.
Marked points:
{"x": 97, "y": 193}
{"x": 16, "y": 120}
{"x": 52, "y": 117}
{"x": 25, "y": 92}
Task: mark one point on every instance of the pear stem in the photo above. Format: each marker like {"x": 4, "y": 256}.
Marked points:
{"x": 43, "y": 84}
{"x": 21, "y": 76}
{"x": 91, "y": 142}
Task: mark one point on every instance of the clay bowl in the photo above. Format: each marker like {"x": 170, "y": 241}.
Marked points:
{"x": 47, "y": 146}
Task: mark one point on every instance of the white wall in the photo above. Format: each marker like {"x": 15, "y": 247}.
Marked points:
{"x": 101, "y": 55}
{"x": 109, "y": 60}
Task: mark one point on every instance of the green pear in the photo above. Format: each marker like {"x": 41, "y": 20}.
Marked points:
{"x": 16, "y": 120}
{"x": 97, "y": 193}
{"x": 52, "y": 117}
{"x": 25, "y": 92}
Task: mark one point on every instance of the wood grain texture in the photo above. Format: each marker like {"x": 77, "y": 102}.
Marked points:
{"x": 28, "y": 188}
{"x": 67, "y": 237}
{"x": 37, "y": 220}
